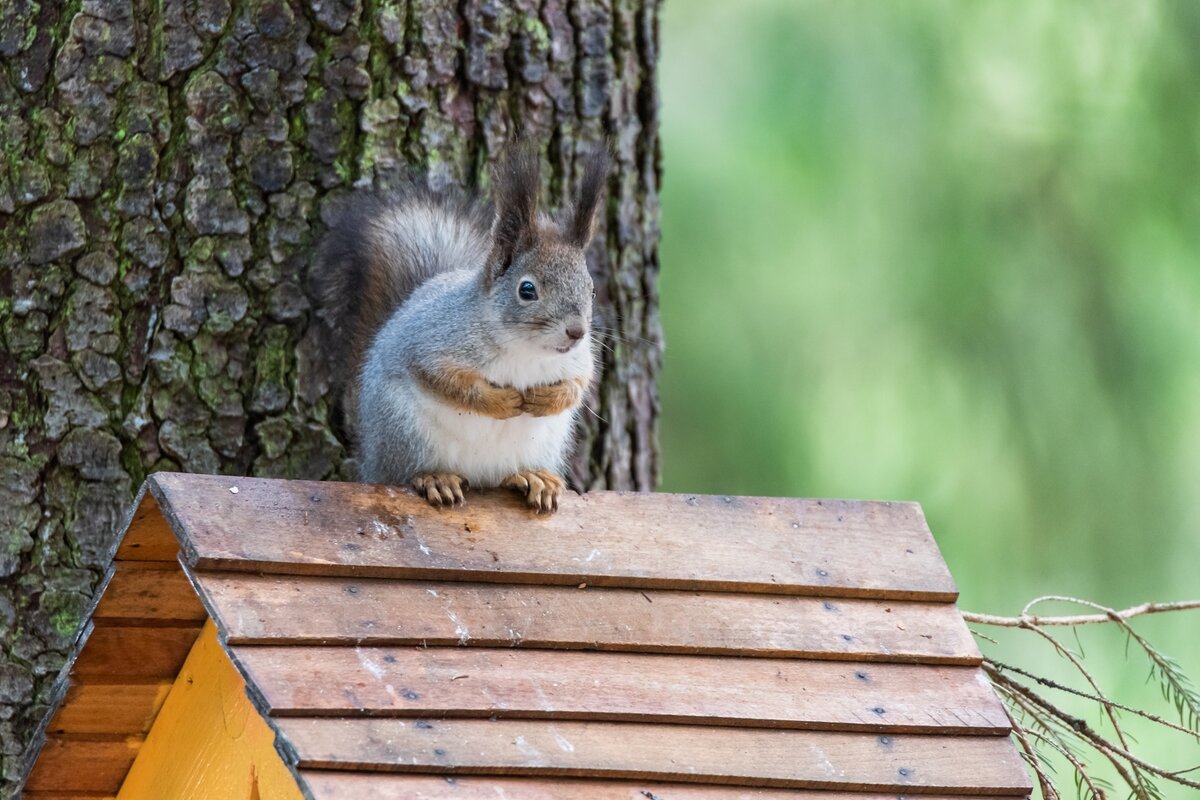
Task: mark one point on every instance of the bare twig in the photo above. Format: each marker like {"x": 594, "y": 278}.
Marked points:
{"x": 1026, "y": 619}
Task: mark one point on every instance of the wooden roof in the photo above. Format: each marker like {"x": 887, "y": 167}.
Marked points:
{"x": 680, "y": 647}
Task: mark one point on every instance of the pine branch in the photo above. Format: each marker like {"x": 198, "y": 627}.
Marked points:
{"x": 1051, "y": 734}
{"x": 1177, "y": 688}
{"x": 1038, "y": 722}
{"x": 1035, "y": 759}
{"x": 1081, "y": 774}
{"x": 1142, "y": 784}
{"x": 1051, "y": 684}
{"x": 1051, "y": 716}
{"x": 1081, "y": 728}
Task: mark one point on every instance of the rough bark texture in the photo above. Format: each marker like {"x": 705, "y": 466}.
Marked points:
{"x": 167, "y": 166}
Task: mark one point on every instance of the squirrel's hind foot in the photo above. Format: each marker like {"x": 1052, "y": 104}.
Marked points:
{"x": 441, "y": 488}
{"x": 541, "y": 488}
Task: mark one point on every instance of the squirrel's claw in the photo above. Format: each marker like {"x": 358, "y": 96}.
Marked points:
{"x": 441, "y": 488}
{"x": 541, "y": 488}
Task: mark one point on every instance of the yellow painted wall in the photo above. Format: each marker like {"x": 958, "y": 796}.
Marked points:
{"x": 209, "y": 742}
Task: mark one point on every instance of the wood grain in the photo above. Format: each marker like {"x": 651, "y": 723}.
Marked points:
{"x": 747, "y": 648}
{"x": 109, "y": 708}
{"x": 689, "y": 753}
{"x": 531, "y": 684}
{"x": 81, "y": 765}
{"x": 149, "y": 593}
{"x": 264, "y": 609}
{"x": 325, "y": 785}
{"x": 148, "y": 537}
{"x": 118, "y": 654}
{"x": 693, "y": 542}
{"x": 209, "y": 742}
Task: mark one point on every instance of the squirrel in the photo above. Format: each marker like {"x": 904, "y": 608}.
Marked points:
{"x": 465, "y": 331}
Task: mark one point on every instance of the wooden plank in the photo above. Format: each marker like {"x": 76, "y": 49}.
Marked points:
{"x": 83, "y": 765}
{"x": 687, "y": 753}
{"x": 69, "y": 796}
{"x": 148, "y": 537}
{"x": 208, "y": 740}
{"x": 109, "y": 708}
{"x": 532, "y": 684}
{"x": 263, "y": 609}
{"x": 116, "y": 654}
{"x": 693, "y": 542}
{"x": 325, "y": 785}
{"x": 149, "y": 593}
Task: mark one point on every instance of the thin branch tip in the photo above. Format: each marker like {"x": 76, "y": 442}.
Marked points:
{"x": 1025, "y": 619}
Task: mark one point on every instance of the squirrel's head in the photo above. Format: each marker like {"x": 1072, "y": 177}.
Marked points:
{"x": 537, "y": 274}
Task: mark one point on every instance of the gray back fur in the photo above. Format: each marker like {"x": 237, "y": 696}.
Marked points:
{"x": 383, "y": 246}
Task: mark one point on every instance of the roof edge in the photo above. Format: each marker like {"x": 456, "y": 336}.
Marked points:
{"x": 163, "y": 498}
{"x": 62, "y": 681}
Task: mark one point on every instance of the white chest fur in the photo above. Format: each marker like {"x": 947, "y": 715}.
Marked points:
{"x": 486, "y": 450}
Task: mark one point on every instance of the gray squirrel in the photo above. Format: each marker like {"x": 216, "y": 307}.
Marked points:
{"x": 466, "y": 332}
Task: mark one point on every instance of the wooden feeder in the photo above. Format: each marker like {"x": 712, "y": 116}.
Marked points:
{"x": 269, "y": 640}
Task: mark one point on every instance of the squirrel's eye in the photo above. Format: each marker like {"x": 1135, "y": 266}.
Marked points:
{"x": 527, "y": 291}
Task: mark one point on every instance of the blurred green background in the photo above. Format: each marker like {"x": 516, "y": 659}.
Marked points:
{"x": 950, "y": 252}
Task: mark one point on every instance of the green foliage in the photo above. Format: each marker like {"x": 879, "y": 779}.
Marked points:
{"x": 948, "y": 252}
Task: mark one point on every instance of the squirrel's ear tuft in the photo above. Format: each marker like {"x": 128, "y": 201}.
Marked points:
{"x": 587, "y": 207}
{"x": 516, "y": 181}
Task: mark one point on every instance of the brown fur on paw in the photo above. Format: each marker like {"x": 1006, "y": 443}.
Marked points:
{"x": 541, "y": 488}
{"x": 467, "y": 390}
{"x": 553, "y": 398}
{"x": 500, "y": 402}
{"x": 441, "y": 488}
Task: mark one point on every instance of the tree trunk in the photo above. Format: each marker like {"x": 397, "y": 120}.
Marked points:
{"x": 166, "y": 169}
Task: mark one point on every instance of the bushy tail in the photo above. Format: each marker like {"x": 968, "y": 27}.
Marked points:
{"x": 379, "y": 251}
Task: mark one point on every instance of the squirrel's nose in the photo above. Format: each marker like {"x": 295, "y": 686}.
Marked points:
{"x": 575, "y": 332}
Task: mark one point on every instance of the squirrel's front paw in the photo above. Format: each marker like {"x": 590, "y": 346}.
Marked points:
{"x": 552, "y": 398}
{"x": 501, "y": 402}
{"x": 541, "y": 488}
{"x": 441, "y": 488}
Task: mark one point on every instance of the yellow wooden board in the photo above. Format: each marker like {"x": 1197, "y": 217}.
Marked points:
{"x": 209, "y": 742}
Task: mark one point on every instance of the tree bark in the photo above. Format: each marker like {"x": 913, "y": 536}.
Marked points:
{"x": 167, "y": 167}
